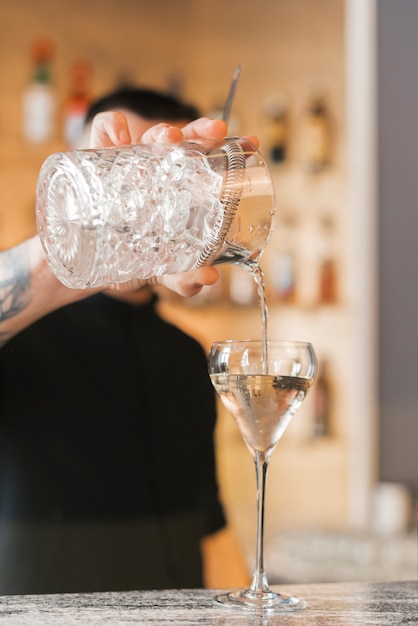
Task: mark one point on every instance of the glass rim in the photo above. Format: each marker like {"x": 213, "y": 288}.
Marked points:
{"x": 260, "y": 342}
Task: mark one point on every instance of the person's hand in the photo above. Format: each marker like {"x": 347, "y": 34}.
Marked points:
{"x": 190, "y": 283}
{"x": 111, "y": 129}
{"x": 198, "y": 130}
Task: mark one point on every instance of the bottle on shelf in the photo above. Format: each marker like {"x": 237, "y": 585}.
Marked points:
{"x": 323, "y": 402}
{"x": 282, "y": 265}
{"x": 328, "y": 267}
{"x": 242, "y": 286}
{"x": 316, "y": 136}
{"x": 76, "y": 104}
{"x": 39, "y": 102}
{"x": 277, "y": 130}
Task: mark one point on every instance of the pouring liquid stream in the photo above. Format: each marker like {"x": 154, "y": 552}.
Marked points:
{"x": 257, "y": 274}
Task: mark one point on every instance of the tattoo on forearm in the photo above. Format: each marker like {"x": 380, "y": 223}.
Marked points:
{"x": 15, "y": 294}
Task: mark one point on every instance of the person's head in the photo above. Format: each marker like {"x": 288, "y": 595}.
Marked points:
{"x": 142, "y": 108}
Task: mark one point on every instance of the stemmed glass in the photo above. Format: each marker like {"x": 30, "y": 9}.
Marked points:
{"x": 262, "y": 384}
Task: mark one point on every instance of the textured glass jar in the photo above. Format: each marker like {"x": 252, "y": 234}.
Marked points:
{"x": 111, "y": 215}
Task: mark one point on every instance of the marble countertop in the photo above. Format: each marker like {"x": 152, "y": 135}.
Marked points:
{"x": 320, "y": 557}
{"x": 331, "y": 604}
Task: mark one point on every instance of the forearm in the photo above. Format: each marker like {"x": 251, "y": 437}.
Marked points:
{"x": 29, "y": 289}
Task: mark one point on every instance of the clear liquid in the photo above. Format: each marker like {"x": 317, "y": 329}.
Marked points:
{"x": 261, "y": 405}
{"x": 257, "y": 273}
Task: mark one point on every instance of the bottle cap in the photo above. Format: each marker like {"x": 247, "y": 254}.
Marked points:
{"x": 42, "y": 50}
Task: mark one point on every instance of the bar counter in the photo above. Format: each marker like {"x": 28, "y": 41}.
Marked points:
{"x": 331, "y": 604}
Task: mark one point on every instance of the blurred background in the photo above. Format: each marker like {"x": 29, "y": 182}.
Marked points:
{"x": 331, "y": 89}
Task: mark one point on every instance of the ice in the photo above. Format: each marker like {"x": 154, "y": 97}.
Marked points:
{"x": 137, "y": 213}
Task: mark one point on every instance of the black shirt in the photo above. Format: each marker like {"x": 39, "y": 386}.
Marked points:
{"x": 107, "y": 415}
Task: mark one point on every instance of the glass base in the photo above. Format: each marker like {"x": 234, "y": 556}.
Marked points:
{"x": 267, "y": 601}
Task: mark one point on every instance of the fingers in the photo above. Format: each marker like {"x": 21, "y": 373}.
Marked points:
{"x": 205, "y": 128}
{"x": 109, "y": 129}
{"x": 253, "y": 140}
{"x": 190, "y": 283}
{"x": 162, "y": 133}
{"x": 185, "y": 284}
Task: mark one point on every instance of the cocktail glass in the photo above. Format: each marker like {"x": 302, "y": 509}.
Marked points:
{"x": 261, "y": 384}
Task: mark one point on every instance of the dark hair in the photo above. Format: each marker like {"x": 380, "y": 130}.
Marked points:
{"x": 149, "y": 104}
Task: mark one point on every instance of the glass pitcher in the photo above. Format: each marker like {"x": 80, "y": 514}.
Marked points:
{"x": 111, "y": 215}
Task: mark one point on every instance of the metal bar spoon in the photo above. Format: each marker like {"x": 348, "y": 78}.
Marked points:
{"x": 232, "y": 89}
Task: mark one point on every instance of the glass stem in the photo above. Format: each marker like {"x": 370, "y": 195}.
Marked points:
{"x": 259, "y": 583}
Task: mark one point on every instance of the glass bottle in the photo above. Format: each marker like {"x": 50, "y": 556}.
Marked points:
{"x": 328, "y": 268}
{"x": 277, "y": 131}
{"x": 323, "y": 401}
{"x": 76, "y": 104}
{"x": 242, "y": 287}
{"x": 282, "y": 269}
{"x": 316, "y": 137}
{"x": 39, "y": 98}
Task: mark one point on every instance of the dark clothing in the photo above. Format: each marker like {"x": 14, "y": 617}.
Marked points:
{"x": 107, "y": 416}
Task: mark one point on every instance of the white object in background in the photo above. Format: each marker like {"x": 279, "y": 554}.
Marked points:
{"x": 39, "y": 97}
{"x": 38, "y": 113}
{"x": 391, "y": 508}
{"x": 242, "y": 286}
